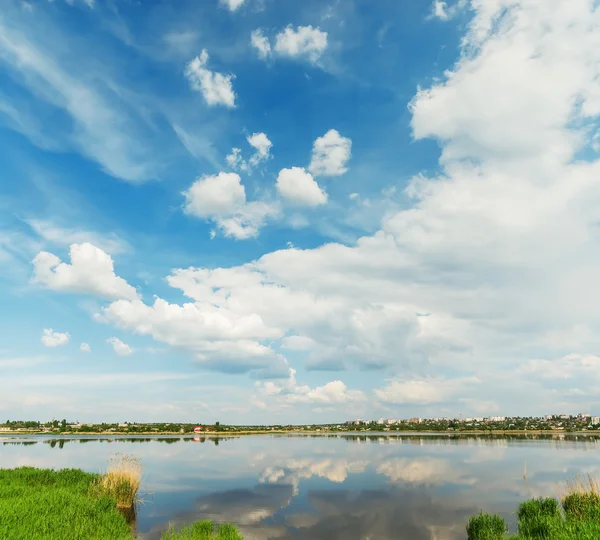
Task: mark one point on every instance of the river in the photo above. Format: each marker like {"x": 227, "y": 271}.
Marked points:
{"x": 347, "y": 487}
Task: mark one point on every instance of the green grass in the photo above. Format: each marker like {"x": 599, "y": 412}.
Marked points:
{"x": 40, "y": 504}
{"x": 486, "y": 527}
{"x": 576, "y": 517}
{"x": 203, "y": 530}
{"x": 43, "y": 504}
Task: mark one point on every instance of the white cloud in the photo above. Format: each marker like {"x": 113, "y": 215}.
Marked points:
{"x": 304, "y": 41}
{"x": 120, "y": 348}
{"x": 289, "y": 391}
{"x": 261, "y": 143}
{"x": 85, "y": 347}
{"x": 441, "y": 10}
{"x": 297, "y": 343}
{"x": 262, "y": 146}
{"x": 222, "y": 198}
{"x": 103, "y": 127}
{"x": 218, "y": 338}
{"x": 423, "y": 391}
{"x": 54, "y": 339}
{"x": 261, "y": 43}
{"x": 56, "y": 234}
{"x": 91, "y": 272}
{"x": 232, "y": 5}
{"x": 570, "y": 366}
{"x": 212, "y": 196}
{"x": 216, "y": 88}
{"x": 236, "y": 161}
{"x": 330, "y": 155}
{"x": 298, "y": 186}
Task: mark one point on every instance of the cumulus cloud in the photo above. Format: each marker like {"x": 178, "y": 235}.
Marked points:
{"x": 303, "y": 41}
{"x": 85, "y": 347}
{"x": 261, "y": 43}
{"x": 423, "y": 391}
{"x": 261, "y": 143}
{"x": 120, "y": 348}
{"x": 262, "y": 146}
{"x": 222, "y": 199}
{"x": 216, "y": 88}
{"x": 217, "y": 338}
{"x": 50, "y": 338}
{"x": 232, "y": 5}
{"x": 289, "y": 391}
{"x": 91, "y": 272}
{"x": 330, "y": 154}
{"x": 299, "y": 187}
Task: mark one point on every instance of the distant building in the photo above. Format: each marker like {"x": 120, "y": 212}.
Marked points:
{"x": 198, "y": 429}
{"x": 391, "y": 421}
{"x": 583, "y": 416}
{"x": 478, "y": 419}
{"x": 496, "y": 418}
{"x": 415, "y": 420}
{"x": 381, "y": 421}
{"x": 595, "y": 420}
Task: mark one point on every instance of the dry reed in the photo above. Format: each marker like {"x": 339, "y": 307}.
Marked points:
{"x": 580, "y": 485}
{"x": 122, "y": 479}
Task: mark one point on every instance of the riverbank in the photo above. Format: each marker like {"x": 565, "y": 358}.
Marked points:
{"x": 300, "y": 433}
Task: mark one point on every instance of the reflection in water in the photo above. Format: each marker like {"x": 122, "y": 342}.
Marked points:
{"x": 338, "y": 486}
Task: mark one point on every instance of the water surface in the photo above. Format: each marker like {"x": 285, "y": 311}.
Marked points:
{"x": 325, "y": 487}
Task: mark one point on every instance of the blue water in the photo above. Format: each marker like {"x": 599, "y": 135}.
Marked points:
{"x": 313, "y": 488}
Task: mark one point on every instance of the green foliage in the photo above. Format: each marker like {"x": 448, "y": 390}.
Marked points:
{"x": 582, "y": 506}
{"x": 486, "y": 527}
{"x": 203, "y": 530}
{"x": 539, "y": 518}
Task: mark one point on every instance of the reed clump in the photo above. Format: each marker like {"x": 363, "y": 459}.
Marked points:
{"x": 122, "y": 479}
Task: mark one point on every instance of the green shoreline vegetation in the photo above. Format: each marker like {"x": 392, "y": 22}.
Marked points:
{"x": 492, "y": 425}
{"x": 574, "y": 515}
{"x": 70, "y": 504}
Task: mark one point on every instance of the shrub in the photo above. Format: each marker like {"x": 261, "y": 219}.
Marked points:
{"x": 486, "y": 527}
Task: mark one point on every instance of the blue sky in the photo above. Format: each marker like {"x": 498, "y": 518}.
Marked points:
{"x": 259, "y": 211}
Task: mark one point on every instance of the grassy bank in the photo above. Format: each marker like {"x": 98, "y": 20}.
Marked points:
{"x": 574, "y": 515}
{"x": 44, "y": 504}
{"x": 57, "y": 505}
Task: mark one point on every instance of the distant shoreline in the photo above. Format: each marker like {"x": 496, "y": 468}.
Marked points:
{"x": 312, "y": 433}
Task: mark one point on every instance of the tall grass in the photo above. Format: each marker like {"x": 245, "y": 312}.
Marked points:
{"x": 486, "y": 527}
{"x": 203, "y": 530}
{"x": 122, "y": 479}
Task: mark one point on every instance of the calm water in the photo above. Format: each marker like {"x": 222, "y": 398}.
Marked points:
{"x": 315, "y": 488}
